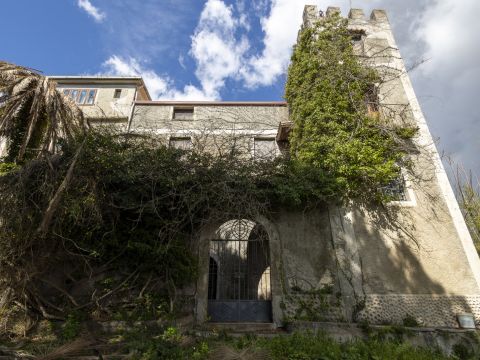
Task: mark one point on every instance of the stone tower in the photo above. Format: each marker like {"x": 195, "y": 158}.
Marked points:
{"x": 436, "y": 274}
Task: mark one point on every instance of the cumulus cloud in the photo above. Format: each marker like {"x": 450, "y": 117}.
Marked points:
{"x": 221, "y": 53}
{"x": 91, "y": 10}
{"x": 215, "y": 48}
{"x": 280, "y": 29}
{"x": 451, "y": 77}
{"x": 160, "y": 87}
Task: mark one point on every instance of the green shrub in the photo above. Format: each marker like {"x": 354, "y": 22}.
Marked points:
{"x": 309, "y": 346}
{"x": 410, "y": 321}
{"x": 72, "y": 326}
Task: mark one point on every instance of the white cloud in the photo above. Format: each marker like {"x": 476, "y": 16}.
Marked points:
{"x": 449, "y": 30}
{"x": 160, "y": 87}
{"x": 221, "y": 54}
{"x": 91, "y": 10}
{"x": 449, "y": 41}
{"x": 217, "y": 52}
{"x": 280, "y": 27}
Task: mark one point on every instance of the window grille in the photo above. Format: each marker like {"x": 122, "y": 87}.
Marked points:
{"x": 396, "y": 189}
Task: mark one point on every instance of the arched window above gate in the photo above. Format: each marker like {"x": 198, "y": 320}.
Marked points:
{"x": 237, "y": 229}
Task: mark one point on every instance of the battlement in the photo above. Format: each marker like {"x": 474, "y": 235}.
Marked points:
{"x": 311, "y": 14}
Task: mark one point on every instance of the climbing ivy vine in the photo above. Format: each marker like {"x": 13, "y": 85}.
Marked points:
{"x": 331, "y": 95}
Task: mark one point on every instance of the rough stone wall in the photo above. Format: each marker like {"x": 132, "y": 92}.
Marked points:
{"x": 214, "y": 128}
{"x": 158, "y": 117}
{"x": 427, "y": 310}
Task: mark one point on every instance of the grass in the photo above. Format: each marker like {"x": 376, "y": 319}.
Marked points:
{"x": 168, "y": 343}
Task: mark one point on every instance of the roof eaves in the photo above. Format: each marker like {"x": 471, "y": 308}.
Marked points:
{"x": 212, "y": 103}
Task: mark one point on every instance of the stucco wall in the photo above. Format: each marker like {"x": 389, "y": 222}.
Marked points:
{"x": 105, "y": 106}
{"x": 214, "y": 128}
{"x": 158, "y": 117}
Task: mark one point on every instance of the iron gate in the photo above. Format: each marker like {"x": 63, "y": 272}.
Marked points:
{"x": 239, "y": 275}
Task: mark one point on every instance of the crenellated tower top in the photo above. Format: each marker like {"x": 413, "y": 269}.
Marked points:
{"x": 312, "y": 14}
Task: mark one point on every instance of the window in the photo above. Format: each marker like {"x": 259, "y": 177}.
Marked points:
{"x": 371, "y": 101}
{"x": 183, "y": 113}
{"x": 396, "y": 189}
{"x": 117, "y": 93}
{"x": 81, "y": 96}
{"x": 91, "y": 97}
{"x": 3, "y": 98}
{"x": 357, "y": 36}
{"x": 181, "y": 143}
{"x": 264, "y": 148}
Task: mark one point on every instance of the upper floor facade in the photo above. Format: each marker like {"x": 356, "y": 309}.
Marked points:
{"x": 103, "y": 98}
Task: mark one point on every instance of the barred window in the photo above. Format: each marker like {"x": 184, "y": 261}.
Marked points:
{"x": 396, "y": 189}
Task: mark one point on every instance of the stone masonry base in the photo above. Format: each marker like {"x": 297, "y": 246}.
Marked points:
{"x": 428, "y": 310}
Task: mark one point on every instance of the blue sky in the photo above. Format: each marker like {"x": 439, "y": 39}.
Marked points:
{"x": 155, "y": 38}
{"x": 240, "y": 49}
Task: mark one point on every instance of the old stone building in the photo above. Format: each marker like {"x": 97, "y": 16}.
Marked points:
{"x": 328, "y": 263}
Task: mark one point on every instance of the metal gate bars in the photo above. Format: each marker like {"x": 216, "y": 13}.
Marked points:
{"x": 239, "y": 274}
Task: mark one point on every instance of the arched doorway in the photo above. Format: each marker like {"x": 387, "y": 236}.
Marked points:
{"x": 239, "y": 273}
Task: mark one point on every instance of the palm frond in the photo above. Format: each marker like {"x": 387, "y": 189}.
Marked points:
{"x": 34, "y": 113}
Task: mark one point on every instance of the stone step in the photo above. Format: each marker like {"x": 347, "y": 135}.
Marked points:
{"x": 241, "y": 327}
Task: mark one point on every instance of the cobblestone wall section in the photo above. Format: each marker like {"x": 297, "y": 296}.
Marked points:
{"x": 428, "y": 310}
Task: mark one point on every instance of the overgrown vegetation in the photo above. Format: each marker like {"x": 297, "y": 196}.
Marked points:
{"x": 334, "y": 106}
{"x": 34, "y": 116}
{"x": 127, "y": 220}
{"x": 168, "y": 343}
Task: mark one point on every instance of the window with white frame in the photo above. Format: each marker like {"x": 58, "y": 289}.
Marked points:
{"x": 81, "y": 96}
{"x": 396, "y": 189}
{"x": 264, "y": 148}
{"x": 400, "y": 191}
{"x": 181, "y": 143}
